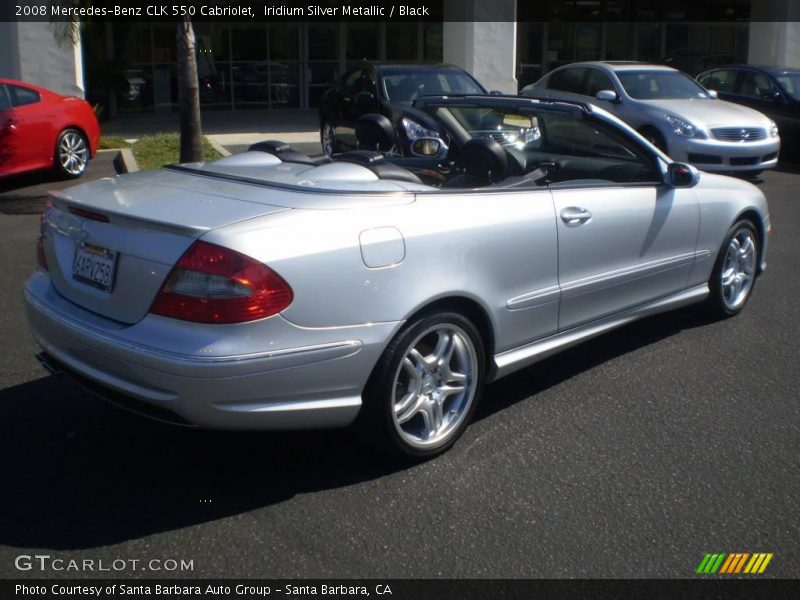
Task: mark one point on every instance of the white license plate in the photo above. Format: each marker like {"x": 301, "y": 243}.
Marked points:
{"x": 95, "y": 266}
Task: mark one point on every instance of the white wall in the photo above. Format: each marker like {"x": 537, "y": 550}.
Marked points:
{"x": 487, "y": 49}
{"x": 774, "y": 44}
{"x": 29, "y": 52}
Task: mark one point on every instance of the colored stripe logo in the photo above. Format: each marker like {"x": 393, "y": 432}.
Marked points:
{"x": 734, "y": 563}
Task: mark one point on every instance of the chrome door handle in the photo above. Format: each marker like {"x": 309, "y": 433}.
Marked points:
{"x": 574, "y": 216}
{"x": 10, "y": 124}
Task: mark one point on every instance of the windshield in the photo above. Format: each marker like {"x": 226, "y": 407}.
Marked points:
{"x": 660, "y": 85}
{"x": 790, "y": 82}
{"x": 403, "y": 87}
{"x": 537, "y": 132}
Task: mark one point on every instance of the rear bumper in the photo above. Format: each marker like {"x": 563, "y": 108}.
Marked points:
{"x": 305, "y": 378}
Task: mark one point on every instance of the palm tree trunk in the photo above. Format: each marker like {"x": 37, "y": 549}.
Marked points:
{"x": 188, "y": 94}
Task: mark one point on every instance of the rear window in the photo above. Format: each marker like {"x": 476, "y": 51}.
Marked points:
{"x": 21, "y": 96}
{"x": 567, "y": 80}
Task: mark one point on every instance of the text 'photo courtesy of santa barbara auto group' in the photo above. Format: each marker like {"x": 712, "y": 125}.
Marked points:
{"x": 403, "y": 299}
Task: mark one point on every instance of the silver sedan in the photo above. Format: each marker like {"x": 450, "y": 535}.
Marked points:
{"x": 273, "y": 290}
{"x": 672, "y": 111}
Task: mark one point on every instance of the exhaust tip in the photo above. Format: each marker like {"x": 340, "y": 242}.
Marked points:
{"x": 49, "y": 363}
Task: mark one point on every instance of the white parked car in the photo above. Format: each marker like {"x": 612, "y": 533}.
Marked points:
{"x": 671, "y": 110}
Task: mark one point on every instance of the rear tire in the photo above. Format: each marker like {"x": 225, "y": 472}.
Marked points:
{"x": 71, "y": 154}
{"x": 735, "y": 269}
{"x": 424, "y": 390}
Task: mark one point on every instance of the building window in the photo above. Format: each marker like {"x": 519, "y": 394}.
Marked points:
{"x": 433, "y": 49}
{"x": 401, "y": 41}
{"x": 362, "y": 41}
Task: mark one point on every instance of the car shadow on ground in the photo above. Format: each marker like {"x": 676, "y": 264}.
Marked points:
{"x": 82, "y": 474}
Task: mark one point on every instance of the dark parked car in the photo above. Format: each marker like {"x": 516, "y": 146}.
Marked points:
{"x": 774, "y": 91}
{"x": 693, "y": 62}
{"x": 390, "y": 90}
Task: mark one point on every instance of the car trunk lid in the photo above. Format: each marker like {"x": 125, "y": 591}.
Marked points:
{"x": 111, "y": 243}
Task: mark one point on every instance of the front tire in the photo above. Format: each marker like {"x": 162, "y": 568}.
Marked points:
{"x": 425, "y": 388}
{"x": 734, "y": 273}
{"x": 71, "y": 156}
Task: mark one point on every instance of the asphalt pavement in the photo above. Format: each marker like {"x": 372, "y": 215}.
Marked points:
{"x": 632, "y": 455}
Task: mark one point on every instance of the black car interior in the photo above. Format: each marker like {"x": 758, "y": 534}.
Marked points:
{"x": 590, "y": 152}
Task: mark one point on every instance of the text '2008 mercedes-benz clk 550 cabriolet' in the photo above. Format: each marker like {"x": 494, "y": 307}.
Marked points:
{"x": 274, "y": 290}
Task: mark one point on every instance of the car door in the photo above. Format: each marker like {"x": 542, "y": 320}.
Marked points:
{"x": 8, "y": 139}
{"x": 27, "y": 126}
{"x": 722, "y": 81}
{"x": 756, "y": 90}
{"x": 624, "y": 238}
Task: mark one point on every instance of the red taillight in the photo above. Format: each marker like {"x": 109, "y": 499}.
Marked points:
{"x": 212, "y": 284}
{"x": 40, "y": 255}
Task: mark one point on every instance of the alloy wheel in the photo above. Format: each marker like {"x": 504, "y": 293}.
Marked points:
{"x": 73, "y": 153}
{"x": 434, "y": 386}
{"x": 738, "y": 270}
{"x": 327, "y": 139}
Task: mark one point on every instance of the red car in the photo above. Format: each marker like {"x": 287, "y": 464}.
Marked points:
{"x": 40, "y": 129}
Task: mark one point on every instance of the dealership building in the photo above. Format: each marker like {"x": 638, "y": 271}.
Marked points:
{"x": 130, "y": 67}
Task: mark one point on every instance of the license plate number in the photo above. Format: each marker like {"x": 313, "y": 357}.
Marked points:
{"x": 95, "y": 266}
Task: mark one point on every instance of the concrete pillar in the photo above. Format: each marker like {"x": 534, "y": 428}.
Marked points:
{"x": 774, "y": 43}
{"x": 29, "y": 52}
{"x": 481, "y": 37}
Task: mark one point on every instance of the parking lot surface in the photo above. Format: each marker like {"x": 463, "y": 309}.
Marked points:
{"x": 629, "y": 456}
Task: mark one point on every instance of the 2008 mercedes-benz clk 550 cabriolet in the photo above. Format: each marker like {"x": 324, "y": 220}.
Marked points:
{"x": 273, "y": 290}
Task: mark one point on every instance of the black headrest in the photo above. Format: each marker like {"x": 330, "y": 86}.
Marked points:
{"x": 365, "y": 158}
{"x": 375, "y": 132}
{"x": 285, "y": 152}
{"x": 270, "y": 147}
{"x": 484, "y": 159}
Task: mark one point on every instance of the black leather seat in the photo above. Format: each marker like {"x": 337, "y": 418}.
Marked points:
{"x": 375, "y": 132}
{"x": 377, "y": 163}
{"x": 481, "y": 162}
{"x": 286, "y": 153}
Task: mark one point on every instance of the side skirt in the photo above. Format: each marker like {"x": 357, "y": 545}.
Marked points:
{"x": 519, "y": 358}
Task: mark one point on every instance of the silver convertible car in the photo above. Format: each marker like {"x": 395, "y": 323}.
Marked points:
{"x": 274, "y": 290}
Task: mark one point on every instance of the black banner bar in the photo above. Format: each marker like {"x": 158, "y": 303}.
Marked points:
{"x": 403, "y": 10}
{"x": 404, "y": 589}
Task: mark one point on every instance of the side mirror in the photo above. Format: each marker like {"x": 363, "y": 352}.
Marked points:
{"x": 682, "y": 175}
{"x": 495, "y": 93}
{"x": 607, "y": 95}
{"x": 713, "y": 94}
{"x": 366, "y": 101}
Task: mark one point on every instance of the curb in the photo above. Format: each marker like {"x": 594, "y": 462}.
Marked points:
{"x": 218, "y": 147}
{"x": 124, "y": 162}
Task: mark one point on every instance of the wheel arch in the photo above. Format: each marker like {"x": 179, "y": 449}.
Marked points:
{"x": 643, "y": 129}
{"x": 471, "y": 309}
